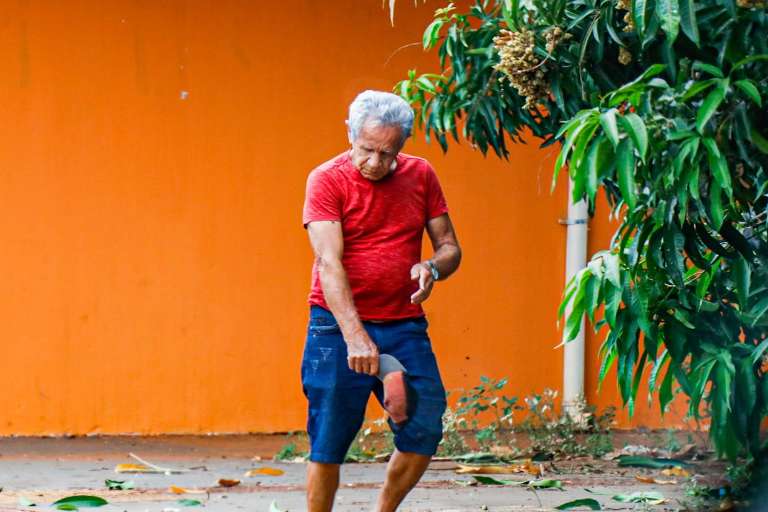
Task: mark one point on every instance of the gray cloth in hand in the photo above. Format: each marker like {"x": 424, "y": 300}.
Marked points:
{"x": 388, "y": 364}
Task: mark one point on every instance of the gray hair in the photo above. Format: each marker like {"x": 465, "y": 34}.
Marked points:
{"x": 382, "y": 108}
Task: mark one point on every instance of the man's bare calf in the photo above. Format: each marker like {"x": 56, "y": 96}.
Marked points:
{"x": 403, "y": 473}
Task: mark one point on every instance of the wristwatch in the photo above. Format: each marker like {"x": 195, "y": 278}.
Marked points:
{"x": 433, "y": 269}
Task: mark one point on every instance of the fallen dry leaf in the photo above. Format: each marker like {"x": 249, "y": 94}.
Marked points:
{"x": 533, "y": 468}
{"x": 487, "y": 470}
{"x": 527, "y": 467}
{"x": 264, "y": 471}
{"x": 134, "y": 468}
{"x": 175, "y": 489}
{"x": 226, "y": 482}
{"x": 675, "y": 471}
{"x": 650, "y": 480}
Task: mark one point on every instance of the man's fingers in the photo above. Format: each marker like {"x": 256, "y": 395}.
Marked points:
{"x": 368, "y": 365}
{"x": 374, "y": 366}
{"x": 423, "y": 276}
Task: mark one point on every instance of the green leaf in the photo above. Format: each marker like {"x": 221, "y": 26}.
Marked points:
{"x": 718, "y": 166}
{"x": 716, "y": 211}
{"x": 757, "y": 354}
{"x": 66, "y": 506}
{"x": 665, "y": 390}
{"x": 25, "y": 502}
{"x": 431, "y": 34}
{"x": 699, "y": 379}
{"x": 119, "y": 485}
{"x": 639, "y": 16}
{"x": 635, "y": 126}
{"x": 274, "y": 508}
{"x": 708, "y": 68}
{"x": 608, "y": 120}
{"x": 570, "y": 139}
{"x": 590, "y": 503}
{"x": 742, "y": 277}
{"x": 611, "y": 262}
{"x": 598, "y": 160}
{"x": 683, "y": 318}
{"x": 759, "y": 141}
{"x": 688, "y": 21}
{"x": 749, "y": 88}
{"x": 186, "y": 502}
{"x": 487, "y": 480}
{"x": 642, "y": 461}
{"x": 545, "y": 484}
{"x": 653, "y": 377}
{"x": 668, "y": 11}
{"x": 749, "y": 60}
{"x": 710, "y": 105}
{"x": 79, "y": 501}
{"x": 697, "y": 87}
{"x": 646, "y": 498}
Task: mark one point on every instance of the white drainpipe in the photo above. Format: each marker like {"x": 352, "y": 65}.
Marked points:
{"x": 575, "y": 260}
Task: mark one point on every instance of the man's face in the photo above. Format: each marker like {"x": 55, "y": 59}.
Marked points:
{"x": 375, "y": 149}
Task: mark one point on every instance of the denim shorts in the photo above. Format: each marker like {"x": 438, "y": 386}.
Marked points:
{"x": 338, "y": 396}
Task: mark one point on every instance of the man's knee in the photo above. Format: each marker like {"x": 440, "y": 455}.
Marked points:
{"x": 323, "y": 474}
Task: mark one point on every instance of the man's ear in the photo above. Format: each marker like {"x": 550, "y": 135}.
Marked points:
{"x": 393, "y": 165}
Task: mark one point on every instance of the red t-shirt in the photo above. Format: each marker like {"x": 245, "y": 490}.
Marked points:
{"x": 382, "y": 224}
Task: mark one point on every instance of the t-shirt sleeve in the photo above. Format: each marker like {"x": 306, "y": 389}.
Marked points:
{"x": 323, "y": 199}
{"x": 436, "y": 204}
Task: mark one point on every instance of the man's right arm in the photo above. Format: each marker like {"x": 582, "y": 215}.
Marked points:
{"x": 328, "y": 245}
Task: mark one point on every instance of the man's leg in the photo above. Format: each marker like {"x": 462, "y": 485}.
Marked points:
{"x": 403, "y": 472}
{"x": 322, "y": 482}
{"x": 417, "y": 438}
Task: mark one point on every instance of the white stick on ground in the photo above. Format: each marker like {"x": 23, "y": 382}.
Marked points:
{"x": 161, "y": 469}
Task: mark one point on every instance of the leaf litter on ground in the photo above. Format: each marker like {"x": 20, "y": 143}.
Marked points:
{"x": 647, "y": 479}
{"x": 640, "y": 461}
{"x": 79, "y": 501}
{"x": 533, "y": 484}
{"x": 119, "y": 485}
{"x": 26, "y": 502}
{"x": 186, "y": 502}
{"x": 589, "y": 503}
{"x": 175, "y": 489}
{"x": 643, "y": 498}
{"x": 146, "y": 467}
{"x": 528, "y": 466}
{"x": 264, "y": 471}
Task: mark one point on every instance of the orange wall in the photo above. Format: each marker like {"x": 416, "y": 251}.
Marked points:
{"x": 152, "y": 166}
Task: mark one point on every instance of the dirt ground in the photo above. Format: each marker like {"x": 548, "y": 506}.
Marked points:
{"x": 42, "y": 470}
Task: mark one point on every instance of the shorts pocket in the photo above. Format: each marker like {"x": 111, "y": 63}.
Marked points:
{"x": 324, "y": 330}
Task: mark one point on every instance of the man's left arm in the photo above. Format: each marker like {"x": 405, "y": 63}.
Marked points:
{"x": 445, "y": 260}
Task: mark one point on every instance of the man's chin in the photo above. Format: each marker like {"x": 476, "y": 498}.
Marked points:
{"x": 373, "y": 176}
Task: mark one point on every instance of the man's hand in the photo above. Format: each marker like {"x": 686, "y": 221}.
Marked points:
{"x": 421, "y": 273}
{"x": 362, "y": 354}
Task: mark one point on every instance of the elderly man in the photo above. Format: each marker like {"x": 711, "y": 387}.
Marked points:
{"x": 366, "y": 211}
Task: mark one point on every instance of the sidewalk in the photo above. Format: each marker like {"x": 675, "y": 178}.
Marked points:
{"x": 44, "y": 470}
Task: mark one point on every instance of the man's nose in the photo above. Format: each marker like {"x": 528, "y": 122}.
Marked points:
{"x": 374, "y": 160}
